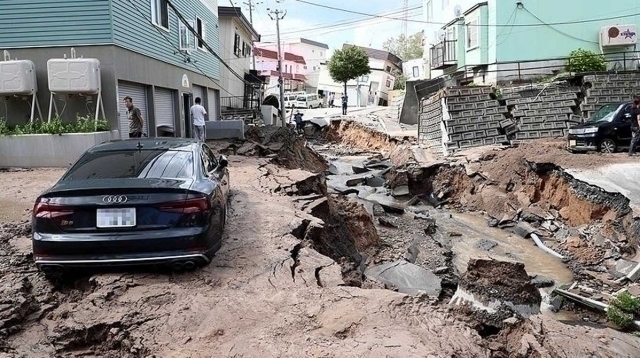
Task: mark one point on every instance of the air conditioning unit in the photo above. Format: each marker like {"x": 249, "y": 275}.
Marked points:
{"x": 618, "y": 35}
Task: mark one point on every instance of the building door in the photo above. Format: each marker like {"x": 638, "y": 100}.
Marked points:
{"x": 165, "y": 112}
{"x": 188, "y": 123}
{"x": 214, "y": 104}
{"x": 138, "y": 94}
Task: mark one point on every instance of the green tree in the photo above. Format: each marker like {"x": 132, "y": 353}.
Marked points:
{"x": 407, "y": 48}
{"x": 347, "y": 64}
{"x": 581, "y": 60}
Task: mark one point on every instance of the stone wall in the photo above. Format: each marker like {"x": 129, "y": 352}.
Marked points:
{"x": 429, "y": 123}
{"x": 609, "y": 88}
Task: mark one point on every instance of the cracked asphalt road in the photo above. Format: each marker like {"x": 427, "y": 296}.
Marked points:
{"x": 254, "y": 300}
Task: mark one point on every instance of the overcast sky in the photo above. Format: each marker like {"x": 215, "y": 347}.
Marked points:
{"x": 334, "y": 27}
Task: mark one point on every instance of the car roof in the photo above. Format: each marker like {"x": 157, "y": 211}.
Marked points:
{"x": 147, "y": 143}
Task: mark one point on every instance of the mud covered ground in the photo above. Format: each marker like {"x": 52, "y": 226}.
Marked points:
{"x": 268, "y": 293}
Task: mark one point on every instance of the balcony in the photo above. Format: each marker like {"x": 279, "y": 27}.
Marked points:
{"x": 443, "y": 54}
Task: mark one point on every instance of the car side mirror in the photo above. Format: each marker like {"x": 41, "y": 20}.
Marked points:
{"x": 223, "y": 161}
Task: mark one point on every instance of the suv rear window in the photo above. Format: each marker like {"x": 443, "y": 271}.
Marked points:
{"x": 125, "y": 164}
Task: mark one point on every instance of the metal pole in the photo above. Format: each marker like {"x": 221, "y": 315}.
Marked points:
{"x": 280, "y": 79}
{"x": 253, "y": 56}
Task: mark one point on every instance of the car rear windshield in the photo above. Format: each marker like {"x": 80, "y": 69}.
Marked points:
{"x": 123, "y": 164}
{"x": 302, "y": 99}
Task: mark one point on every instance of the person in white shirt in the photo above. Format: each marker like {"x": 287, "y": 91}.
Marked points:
{"x": 197, "y": 116}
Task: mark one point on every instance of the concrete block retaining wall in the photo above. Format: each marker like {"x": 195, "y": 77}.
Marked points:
{"x": 608, "y": 88}
{"x": 475, "y": 116}
{"x": 48, "y": 150}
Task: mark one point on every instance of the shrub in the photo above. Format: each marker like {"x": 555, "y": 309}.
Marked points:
{"x": 581, "y": 60}
{"x": 55, "y": 126}
{"x": 622, "y": 309}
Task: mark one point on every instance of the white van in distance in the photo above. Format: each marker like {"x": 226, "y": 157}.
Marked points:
{"x": 308, "y": 101}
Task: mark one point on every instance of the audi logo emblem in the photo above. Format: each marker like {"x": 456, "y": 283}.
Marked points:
{"x": 115, "y": 199}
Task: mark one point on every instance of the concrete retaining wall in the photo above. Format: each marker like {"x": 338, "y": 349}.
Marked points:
{"x": 609, "y": 88}
{"x": 225, "y": 129}
{"x": 47, "y": 150}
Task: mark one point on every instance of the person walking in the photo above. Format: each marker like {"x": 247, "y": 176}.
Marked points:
{"x": 198, "y": 114}
{"x": 345, "y": 100}
{"x": 135, "y": 118}
{"x": 332, "y": 97}
{"x": 298, "y": 119}
{"x": 635, "y": 126}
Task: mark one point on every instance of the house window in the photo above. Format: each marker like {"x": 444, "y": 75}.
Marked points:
{"x": 202, "y": 32}
{"x": 236, "y": 46}
{"x": 160, "y": 13}
{"x": 305, "y": 67}
{"x": 472, "y": 34}
{"x": 388, "y": 69}
{"x": 451, "y": 34}
{"x": 364, "y": 79}
{"x": 244, "y": 49}
{"x": 416, "y": 71}
{"x": 388, "y": 83}
{"x": 187, "y": 40}
{"x": 429, "y": 10}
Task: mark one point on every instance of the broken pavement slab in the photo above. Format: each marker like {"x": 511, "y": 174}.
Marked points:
{"x": 408, "y": 278}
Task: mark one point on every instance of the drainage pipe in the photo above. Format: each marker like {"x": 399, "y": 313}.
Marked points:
{"x": 602, "y": 307}
{"x": 541, "y": 245}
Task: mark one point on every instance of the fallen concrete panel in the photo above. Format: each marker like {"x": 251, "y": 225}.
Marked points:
{"x": 407, "y": 277}
{"x": 225, "y": 129}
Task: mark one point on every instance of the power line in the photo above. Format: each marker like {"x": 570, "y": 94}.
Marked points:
{"x": 558, "y": 30}
{"x": 350, "y": 23}
{"x": 478, "y": 25}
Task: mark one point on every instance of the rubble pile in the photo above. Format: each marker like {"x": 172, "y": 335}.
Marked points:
{"x": 282, "y": 145}
{"x": 500, "y": 289}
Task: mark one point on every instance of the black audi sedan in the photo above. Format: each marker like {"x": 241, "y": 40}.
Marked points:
{"x": 608, "y": 130}
{"x": 131, "y": 202}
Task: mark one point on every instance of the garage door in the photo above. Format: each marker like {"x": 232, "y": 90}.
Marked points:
{"x": 165, "y": 108}
{"x": 139, "y": 95}
{"x": 198, "y": 92}
{"x": 214, "y": 106}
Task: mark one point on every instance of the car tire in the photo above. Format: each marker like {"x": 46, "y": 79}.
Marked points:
{"x": 608, "y": 146}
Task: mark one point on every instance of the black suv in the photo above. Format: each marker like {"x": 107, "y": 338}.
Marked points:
{"x": 608, "y": 130}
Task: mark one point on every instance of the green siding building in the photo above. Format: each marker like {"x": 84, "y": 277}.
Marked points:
{"x": 145, "y": 52}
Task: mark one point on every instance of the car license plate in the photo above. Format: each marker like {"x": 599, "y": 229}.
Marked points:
{"x": 572, "y": 143}
{"x": 110, "y": 218}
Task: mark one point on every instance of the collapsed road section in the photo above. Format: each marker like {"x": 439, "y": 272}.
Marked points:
{"x": 318, "y": 260}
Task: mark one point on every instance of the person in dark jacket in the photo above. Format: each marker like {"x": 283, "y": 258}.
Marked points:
{"x": 635, "y": 126}
{"x": 345, "y": 100}
{"x": 298, "y": 119}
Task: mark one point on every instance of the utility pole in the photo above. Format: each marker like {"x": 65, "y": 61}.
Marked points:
{"x": 278, "y": 15}
{"x": 251, "y": 5}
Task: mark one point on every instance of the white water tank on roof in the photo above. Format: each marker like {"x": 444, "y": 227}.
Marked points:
{"x": 74, "y": 75}
{"x": 17, "y": 77}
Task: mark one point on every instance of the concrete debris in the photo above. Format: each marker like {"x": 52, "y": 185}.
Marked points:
{"x": 402, "y": 190}
{"x": 542, "y": 282}
{"x": 378, "y": 210}
{"x": 388, "y": 222}
{"x": 407, "y": 277}
{"x": 486, "y": 245}
{"x": 412, "y": 253}
{"x": 375, "y": 181}
{"x": 360, "y": 169}
{"x": 355, "y": 182}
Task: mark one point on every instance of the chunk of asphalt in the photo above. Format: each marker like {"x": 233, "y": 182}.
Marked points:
{"x": 333, "y": 170}
{"x": 412, "y": 253}
{"x": 378, "y": 210}
{"x": 359, "y": 169}
{"x": 375, "y": 181}
{"x": 523, "y": 229}
{"x": 355, "y": 181}
{"x": 408, "y": 278}
{"x": 402, "y": 190}
{"x": 542, "y": 282}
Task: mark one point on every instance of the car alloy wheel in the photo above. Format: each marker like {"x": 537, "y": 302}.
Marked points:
{"x": 608, "y": 146}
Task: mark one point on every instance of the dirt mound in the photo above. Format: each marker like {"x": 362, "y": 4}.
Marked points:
{"x": 282, "y": 145}
{"x": 500, "y": 280}
{"x": 359, "y": 136}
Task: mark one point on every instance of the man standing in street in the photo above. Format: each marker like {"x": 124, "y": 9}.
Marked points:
{"x": 135, "y": 118}
{"x": 635, "y": 126}
{"x": 345, "y": 100}
{"x": 197, "y": 116}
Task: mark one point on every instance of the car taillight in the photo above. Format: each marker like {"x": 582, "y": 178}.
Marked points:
{"x": 47, "y": 210}
{"x": 189, "y": 206}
